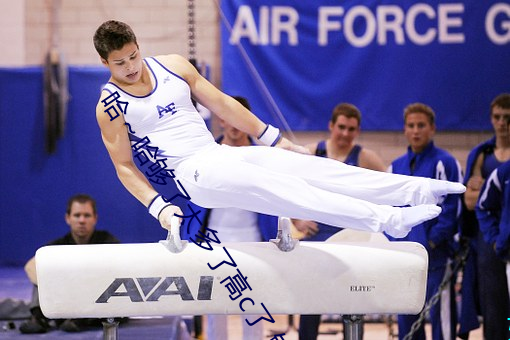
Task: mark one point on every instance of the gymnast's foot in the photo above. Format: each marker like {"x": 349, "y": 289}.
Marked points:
{"x": 412, "y": 216}
{"x": 437, "y": 190}
{"x": 442, "y": 188}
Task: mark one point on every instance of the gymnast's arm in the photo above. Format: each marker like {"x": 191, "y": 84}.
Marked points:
{"x": 116, "y": 141}
{"x": 224, "y": 106}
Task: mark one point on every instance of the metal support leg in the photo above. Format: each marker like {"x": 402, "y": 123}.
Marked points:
{"x": 110, "y": 329}
{"x": 284, "y": 240}
{"x": 353, "y": 327}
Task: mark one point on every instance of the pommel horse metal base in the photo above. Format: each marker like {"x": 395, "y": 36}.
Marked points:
{"x": 350, "y": 277}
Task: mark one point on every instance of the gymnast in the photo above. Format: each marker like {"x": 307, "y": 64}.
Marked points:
{"x": 277, "y": 178}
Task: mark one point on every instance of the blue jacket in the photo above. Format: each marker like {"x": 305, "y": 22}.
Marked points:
{"x": 434, "y": 163}
{"x": 469, "y": 223}
{"x": 487, "y": 146}
{"x": 493, "y": 210}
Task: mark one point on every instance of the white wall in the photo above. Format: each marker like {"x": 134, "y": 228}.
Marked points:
{"x": 12, "y": 32}
{"x": 160, "y": 25}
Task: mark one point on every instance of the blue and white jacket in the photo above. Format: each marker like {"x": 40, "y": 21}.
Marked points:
{"x": 435, "y": 163}
{"x": 493, "y": 210}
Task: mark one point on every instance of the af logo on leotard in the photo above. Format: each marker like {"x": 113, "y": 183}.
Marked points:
{"x": 170, "y": 108}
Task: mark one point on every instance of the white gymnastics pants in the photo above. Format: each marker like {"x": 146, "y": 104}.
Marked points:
{"x": 278, "y": 182}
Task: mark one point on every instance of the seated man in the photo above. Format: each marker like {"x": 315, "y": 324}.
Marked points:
{"x": 81, "y": 216}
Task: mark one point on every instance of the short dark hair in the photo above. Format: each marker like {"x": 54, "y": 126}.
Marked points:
{"x": 244, "y": 102}
{"x": 503, "y": 101}
{"x": 112, "y": 35}
{"x": 420, "y": 108}
{"x": 348, "y": 110}
{"x": 81, "y": 198}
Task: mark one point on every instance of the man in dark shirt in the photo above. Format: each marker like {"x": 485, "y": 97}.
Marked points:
{"x": 81, "y": 216}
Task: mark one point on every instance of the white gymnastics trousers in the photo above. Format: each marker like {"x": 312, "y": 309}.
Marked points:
{"x": 278, "y": 182}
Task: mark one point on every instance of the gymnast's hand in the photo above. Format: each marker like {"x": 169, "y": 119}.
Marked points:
{"x": 308, "y": 228}
{"x": 166, "y": 215}
{"x": 286, "y": 144}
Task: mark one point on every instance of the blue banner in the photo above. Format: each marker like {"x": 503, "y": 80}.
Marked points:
{"x": 297, "y": 59}
{"x": 36, "y": 185}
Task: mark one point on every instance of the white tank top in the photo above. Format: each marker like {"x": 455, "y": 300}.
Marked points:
{"x": 166, "y": 116}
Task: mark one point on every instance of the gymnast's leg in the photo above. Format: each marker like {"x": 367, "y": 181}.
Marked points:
{"x": 230, "y": 182}
{"x": 331, "y": 175}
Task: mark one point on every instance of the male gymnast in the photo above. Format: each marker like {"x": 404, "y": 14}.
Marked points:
{"x": 266, "y": 179}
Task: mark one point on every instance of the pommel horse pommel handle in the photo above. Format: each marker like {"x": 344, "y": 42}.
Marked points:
{"x": 284, "y": 240}
{"x": 173, "y": 240}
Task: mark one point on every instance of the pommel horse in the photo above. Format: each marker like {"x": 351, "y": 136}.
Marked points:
{"x": 353, "y": 277}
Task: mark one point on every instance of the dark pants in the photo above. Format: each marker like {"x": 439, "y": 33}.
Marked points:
{"x": 405, "y": 322}
{"x": 470, "y": 306}
{"x": 309, "y": 327}
{"x": 493, "y": 290}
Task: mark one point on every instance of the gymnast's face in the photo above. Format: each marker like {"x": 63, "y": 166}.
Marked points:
{"x": 344, "y": 130}
{"x": 419, "y": 131}
{"x": 82, "y": 221}
{"x": 125, "y": 64}
{"x": 233, "y": 136}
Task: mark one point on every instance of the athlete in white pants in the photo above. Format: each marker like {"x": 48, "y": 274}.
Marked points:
{"x": 153, "y": 97}
{"x": 284, "y": 183}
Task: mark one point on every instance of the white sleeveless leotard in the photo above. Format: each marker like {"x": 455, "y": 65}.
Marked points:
{"x": 166, "y": 116}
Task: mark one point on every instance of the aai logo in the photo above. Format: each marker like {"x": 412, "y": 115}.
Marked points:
{"x": 152, "y": 288}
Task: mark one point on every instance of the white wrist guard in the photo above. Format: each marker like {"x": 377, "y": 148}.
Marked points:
{"x": 157, "y": 205}
{"x": 270, "y": 136}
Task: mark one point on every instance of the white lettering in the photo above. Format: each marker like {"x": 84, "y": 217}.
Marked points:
{"x": 369, "y": 34}
{"x": 244, "y": 26}
{"x": 413, "y": 35}
{"x": 325, "y": 25}
{"x": 273, "y": 22}
{"x": 264, "y": 25}
{"x": 284, "y": 19}
{"x": 490, "y": 29}
{"x": 385, "y": 25}
{"x": 422, "y": 24}
{"x": 445, "y": 22}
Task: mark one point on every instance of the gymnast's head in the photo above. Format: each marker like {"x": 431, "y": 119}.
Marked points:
{"x": 116, "y": 44}
{"x": 113, "y": 35}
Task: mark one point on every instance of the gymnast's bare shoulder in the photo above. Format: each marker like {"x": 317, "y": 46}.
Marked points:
{"x": 369, "y": 159}
{"x": 179, "y": 65}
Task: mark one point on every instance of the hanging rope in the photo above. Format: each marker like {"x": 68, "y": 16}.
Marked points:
{"x": 276, "y": 112}
{"x": 191, "y": 30}
{"x": 55, "y": 84}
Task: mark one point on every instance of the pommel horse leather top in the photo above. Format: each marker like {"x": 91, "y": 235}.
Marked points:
{"x": 337, "y": 276}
